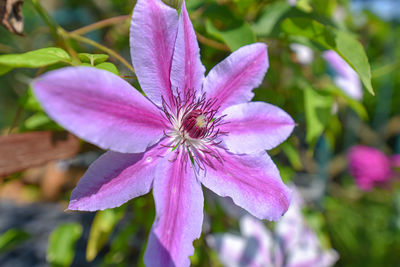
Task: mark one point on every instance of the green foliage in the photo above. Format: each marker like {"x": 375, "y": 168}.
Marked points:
{"x": 293, "y": 155}
{"x": 239, "y": 35}
{"x": 33, "y": 59}
{"x": 102, "y": 227}
{"x": 330, "y": 38}
{"x": 92, "y": 59}
{"x": 29, "y": 102}
{"x": 269, "y": 17}
{"x": 109, "y": 67}
{"x": 318, "y": 109}
{"x": 362, "y": 228}
{"x": 12, "y": 238}
{"x": 61, "y": 248}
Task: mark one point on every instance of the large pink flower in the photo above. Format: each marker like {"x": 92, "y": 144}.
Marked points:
{"x": 189, "y": 130}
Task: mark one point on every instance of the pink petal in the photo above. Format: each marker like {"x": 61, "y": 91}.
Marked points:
{"x": 347, "y": 79}
{"x": 255, "y": 127}
{"x": 152, "y": 36}
{"x": 254, "y": 229}
{"x": 100, "y": 108}
{"x": 233, "y": 79}
{"x": 114, "y": 179}
{"x": 369, "y": 166}
{"x": 179, "y": 207}
{"x": 230, "y": 249}
{"x": 187, "y": 70}
{"x": 252, "y": 181}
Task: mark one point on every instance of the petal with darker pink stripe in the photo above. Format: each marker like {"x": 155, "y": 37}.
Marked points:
{"x": 187, "y": 72}
{"x": 255, "y": 126}
{"x": 233, "y": 79}
{"x": 179, "y": 213}
{"x": 152, "y": 37}
{"x": 252, "y": 181}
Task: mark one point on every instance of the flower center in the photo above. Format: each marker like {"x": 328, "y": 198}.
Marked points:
{"x": 194, "y": 128}
{"x": 195, "y": 124}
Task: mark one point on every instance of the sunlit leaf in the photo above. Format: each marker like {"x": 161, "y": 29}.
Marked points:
{"x": 33, "y": 59}
{"x": 269, "y": 17}
{"x": 61, "y": 247}
{"x": 318, "y": 109}
{"x": 40, "y": 121}
{"x": 28, "y": 101}
{"x": 12, "y": 238}
{"x": 92, "y": 59}
{"x": 109, "y": 67}
{"x": 236, "y": 37}
{"x": 293, "y": 155}
{"x": 352, "y": 103}
{"x": 330, "y": 38}
{"x": 102, "y": 227}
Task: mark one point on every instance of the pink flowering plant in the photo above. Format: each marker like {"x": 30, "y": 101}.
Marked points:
{"x": 154, "y": 125}
{"x": 189, "y": 130}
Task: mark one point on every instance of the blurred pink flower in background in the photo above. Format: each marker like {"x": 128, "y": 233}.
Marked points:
{"x": 371, "y": 167}
{"x": 291, "y": 244}
{"x": 344, "y": 76}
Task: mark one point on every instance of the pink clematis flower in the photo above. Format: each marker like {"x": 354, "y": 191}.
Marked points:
{"x": 370, "y": 167}
{"x": 292, "y": 244}
{"x": 345, "y": 77}
{"x": 188, "y": 130}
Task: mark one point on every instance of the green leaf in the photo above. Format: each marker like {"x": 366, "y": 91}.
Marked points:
{"x": 318, "y": 110}
{"x": 326, "y": 7}
{"x": 235, "y": 37}
{"x": 61, "y": 248}
{"x": 293, "y": 155}
{"x": 102, "y": 227}
{"x": 4, "y": 69}
{"x": 92, "y": 59}
{"x": 12, "y": 238}
{"x": 330, "y": 38}
{"x": 109, "y": 67}
{"x": 40, "y": 121}
{"x": 270, "y": 16}
{"x": 28, "y": 101}
{"x": 33, "y": 59}
{"x": 352, "y": 103}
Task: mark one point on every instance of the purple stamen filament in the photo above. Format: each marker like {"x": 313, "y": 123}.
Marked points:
{"x": 194, "y": 127}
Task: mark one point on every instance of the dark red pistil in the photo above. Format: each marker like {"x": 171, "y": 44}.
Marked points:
{"x": 195, "y": 124}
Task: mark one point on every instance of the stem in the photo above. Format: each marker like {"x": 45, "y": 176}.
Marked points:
{"x": 100, "y": 24}
{"x": 15, "y": 120}
{"x": 101, "y": 47}
{"x": 386, "y": 69}
{"x": 47, "y": 19}
{"x": 212, "y": 43}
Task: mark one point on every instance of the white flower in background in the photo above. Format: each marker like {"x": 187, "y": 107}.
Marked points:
{"x": 344, "y": 76}
{"x": 292, "y": 2}
{"x": 292, "y": 244}
{"x": 304, "y": 54}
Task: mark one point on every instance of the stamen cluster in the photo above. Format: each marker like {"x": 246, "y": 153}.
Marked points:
{"x": 194, "y": 126}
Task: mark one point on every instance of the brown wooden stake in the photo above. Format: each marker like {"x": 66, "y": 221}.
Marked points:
{"x": 22, "y": 151}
